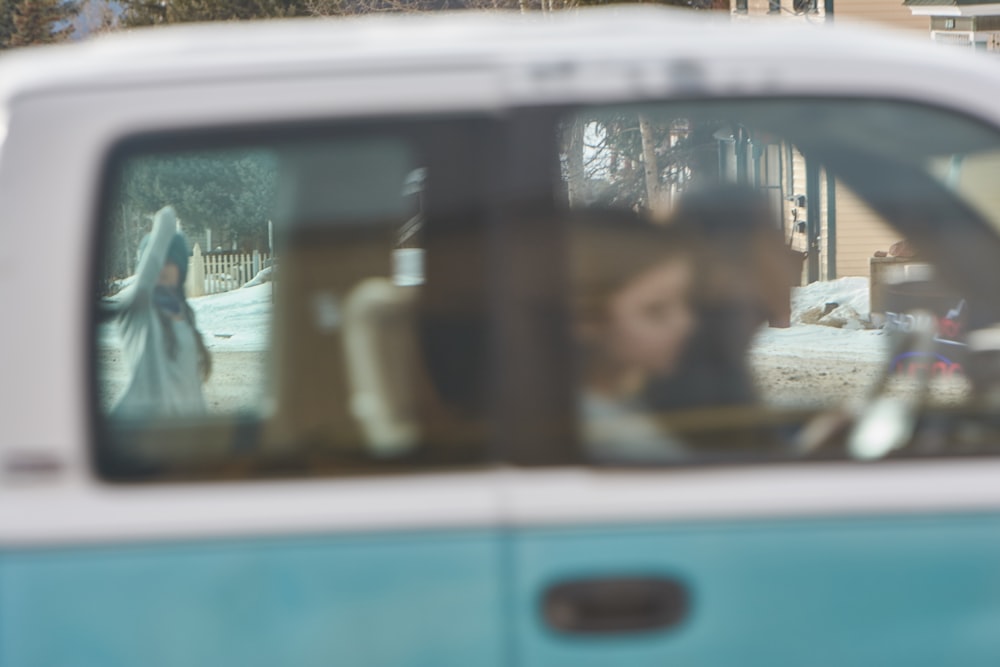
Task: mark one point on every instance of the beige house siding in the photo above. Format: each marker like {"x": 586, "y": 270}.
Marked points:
{"x": 886, "y": 12}
{"x": 798, "y": 180}
{"x": 890, "y": 13}
{"x": 860, "y": 232}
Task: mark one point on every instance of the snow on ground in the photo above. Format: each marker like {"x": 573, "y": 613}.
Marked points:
{"x": 810, "y": 364}
{"x": 828, "y": 354}
{"x": 823, "y": 359}
{"x": 238, "y": 320}
{"x": 812, "y": 341}
{"x": 811, "y": 337}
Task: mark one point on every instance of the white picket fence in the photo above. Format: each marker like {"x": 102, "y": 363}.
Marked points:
{"x": 215, "y": 272}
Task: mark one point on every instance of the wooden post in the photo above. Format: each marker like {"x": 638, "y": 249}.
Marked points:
{"x": 195, "y": 283}
{"x": 650, "y": 167}
{"x": 575, "y": 175}
{"x": 210, "y": 270}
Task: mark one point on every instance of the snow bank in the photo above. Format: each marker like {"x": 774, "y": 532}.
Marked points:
{"x": 851, "y": 295}
{"x": 263, "y": 276}
{"x": 842, "y": 334}
{"x": 238, "y": 320}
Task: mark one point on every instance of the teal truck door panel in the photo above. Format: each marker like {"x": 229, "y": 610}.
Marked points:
{"x": 412, "y": 598}
{"x": 762, "y": 467}
{"x": 915, "y": 590}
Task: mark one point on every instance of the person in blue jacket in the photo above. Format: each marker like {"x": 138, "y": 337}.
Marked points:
{"x": 166, "y": 356}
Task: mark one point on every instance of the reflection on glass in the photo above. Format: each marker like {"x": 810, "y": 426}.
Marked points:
{"x": 163, "y": 349}
{"x": 797, "y": 218}
{"x": 730, "y": 271}
{"x": 187, "y": 333}
{"x": 271, "y": 309}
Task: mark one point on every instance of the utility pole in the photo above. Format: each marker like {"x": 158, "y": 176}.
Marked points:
{"x": 813, "y": 222}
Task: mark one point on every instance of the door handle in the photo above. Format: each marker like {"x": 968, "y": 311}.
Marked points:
{"x": 615, "y": 605}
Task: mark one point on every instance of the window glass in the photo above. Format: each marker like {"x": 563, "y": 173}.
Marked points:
{"x": 732, "y": 281}
{"x": 216, "y": 320}
{"x": 786, "y": 280}
{"x": 284, "y": 306}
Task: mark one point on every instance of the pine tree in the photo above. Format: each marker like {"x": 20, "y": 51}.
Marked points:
{"x": 153, "y": 12}
{"x": 40, "y": 21}
{"x": 6, "y": 22}
{"x": 690, "y": 4}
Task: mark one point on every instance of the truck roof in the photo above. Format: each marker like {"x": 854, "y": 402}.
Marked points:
{"x": 548, "y": 44}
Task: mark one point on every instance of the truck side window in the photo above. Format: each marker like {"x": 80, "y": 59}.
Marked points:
{"x": 780, "y": 280}
{"x": 279, "y": 307}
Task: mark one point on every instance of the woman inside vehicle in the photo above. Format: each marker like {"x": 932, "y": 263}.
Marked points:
{"x": 630, "y": 283}
{"x": 166, "y": 356}
{"x": 743, "y": 279}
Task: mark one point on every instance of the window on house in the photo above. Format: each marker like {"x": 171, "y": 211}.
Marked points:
{"x": 740, "y": 6}
{"x": 774, "y": 7}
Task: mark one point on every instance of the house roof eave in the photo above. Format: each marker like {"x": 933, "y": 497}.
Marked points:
{"x": 953, "y": 7}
